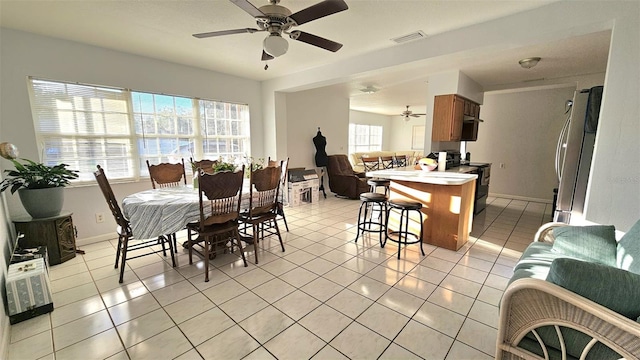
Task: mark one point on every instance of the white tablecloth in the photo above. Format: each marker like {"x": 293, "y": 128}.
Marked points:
{"x": 164, "y": 211}
{"x": 161, "y": 211}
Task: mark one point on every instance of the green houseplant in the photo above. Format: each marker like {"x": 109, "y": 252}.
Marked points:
{"x": 40, "y": 186}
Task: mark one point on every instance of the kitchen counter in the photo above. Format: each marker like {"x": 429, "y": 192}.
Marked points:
{"x": 427, "y": 177}
{"x": 463, "y": 169}
{"x": 447, "y": 199}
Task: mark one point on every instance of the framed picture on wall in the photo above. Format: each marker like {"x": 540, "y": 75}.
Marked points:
{"x": 417, "y": 138}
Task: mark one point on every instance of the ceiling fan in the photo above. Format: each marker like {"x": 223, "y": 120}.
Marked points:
{"x": 408, "y": 113}
{"x": 277, "y": 20}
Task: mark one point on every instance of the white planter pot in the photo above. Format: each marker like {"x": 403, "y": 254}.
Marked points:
{"x": 42, "y": 203}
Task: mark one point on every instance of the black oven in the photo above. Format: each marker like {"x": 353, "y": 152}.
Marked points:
{"x": 482, "y": 186}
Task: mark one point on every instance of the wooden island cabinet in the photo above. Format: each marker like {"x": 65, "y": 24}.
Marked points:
{"x": 447, "y": 203}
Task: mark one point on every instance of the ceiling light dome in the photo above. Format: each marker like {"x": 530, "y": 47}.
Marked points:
{"x": 528, "y": 63}
{"x": 275, "y": 45}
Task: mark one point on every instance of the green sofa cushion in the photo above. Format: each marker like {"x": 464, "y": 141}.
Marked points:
{"x": 595, "y": 243}
{"x": 628, "y": 257}
{"x": 538, "y": 254}
{"x": 613, "y": 288}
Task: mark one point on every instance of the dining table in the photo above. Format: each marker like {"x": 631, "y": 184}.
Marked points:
{"x": 156, "y": 212}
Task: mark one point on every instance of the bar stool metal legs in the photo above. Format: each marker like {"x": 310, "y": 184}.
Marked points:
{"x": 404, "y": 206}
{"x": 366, "y": 221}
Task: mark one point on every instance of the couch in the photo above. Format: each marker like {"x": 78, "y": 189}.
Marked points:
{"x": 575, "y": 291}
{"x": 356, "y": 158}
{"x": 342, "y": 180}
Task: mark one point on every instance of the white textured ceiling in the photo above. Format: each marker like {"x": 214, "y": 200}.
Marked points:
{"x": 162, "y": 29}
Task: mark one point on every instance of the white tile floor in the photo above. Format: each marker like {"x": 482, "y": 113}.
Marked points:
{"x": 326, "y": 297}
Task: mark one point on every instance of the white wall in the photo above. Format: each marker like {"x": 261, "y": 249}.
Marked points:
{"x": 613, "y": 196}
{"x": 308, "y": 110}
{"x": 387, "y": 122}
{"x": 521, "y": 131}
{"x": 402, "y": 133}
{"x": 23, "y": 54}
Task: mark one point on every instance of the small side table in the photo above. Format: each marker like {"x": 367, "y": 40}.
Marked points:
{"x": 56, "y": 233}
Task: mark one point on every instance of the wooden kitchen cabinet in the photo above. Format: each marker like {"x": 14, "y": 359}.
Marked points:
{"x": 448, "y": 114}
{"x": 56, "y": 233}
{"x": 455, "y": 118}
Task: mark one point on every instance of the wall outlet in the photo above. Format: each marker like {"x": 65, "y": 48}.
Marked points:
{"x": 99, "y": 217}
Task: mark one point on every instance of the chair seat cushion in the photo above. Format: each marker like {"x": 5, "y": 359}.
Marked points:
{"x": 613, "y": 288}
{"x": 530, "y": 272}
{"x": 257, "y": 218}
{"x": 538, "y": 254}
{"x": 589, "y": 243}
{"x": 213, "y": 228}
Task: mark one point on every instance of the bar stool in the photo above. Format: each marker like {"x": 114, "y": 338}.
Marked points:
{"x": 369, "y": 200}
{"x": 404, "y": 206}
{"x": 374, "y": 183}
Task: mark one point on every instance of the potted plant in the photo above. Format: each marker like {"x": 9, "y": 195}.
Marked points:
{"x": 40, "y": 186}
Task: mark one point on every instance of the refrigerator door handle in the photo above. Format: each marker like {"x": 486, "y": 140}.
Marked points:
{"x": 559, "y": 146}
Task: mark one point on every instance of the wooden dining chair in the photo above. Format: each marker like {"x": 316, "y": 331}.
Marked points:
{"x": 124, "y": 229}
{"x": 167, "y": 175}
{"x": 283, "y": 184}
{"x": 220, "y": 195}
{"x": 371, "y": 163}
{"x": 401, "y": 161}
{"x": 263, "y": 197}
{"x": 386, "y": 162}
{"x": 205, "y": 164}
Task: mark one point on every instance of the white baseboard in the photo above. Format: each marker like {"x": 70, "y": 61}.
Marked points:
{"x": 524, "y": 198}
{"x": 94, "y": 239}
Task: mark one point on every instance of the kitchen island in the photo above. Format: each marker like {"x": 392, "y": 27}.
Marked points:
{"x": 446, "y": 198}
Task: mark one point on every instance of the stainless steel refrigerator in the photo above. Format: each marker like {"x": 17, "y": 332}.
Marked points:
{"x": 574, "y": 153}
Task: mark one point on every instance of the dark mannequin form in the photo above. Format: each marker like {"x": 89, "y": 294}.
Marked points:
{"x": 322, "y": 159}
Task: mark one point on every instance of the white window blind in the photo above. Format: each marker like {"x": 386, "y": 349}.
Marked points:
{"x": 119, "y": 129}
{"x": 363, "y": 138}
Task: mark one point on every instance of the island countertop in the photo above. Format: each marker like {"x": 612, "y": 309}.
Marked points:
{"x": 427, "y": 177}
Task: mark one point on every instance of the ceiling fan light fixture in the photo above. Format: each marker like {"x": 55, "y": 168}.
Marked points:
{"x": 370, "y": 89}
{"x": 528, "y": 63}
{"x": 275, "y": 45}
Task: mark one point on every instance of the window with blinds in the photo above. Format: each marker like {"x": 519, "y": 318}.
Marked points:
{"x": 363, "y": 138}
{"x": 119, "y": 129}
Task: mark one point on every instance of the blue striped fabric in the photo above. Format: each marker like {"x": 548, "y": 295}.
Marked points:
{"x": 163, "y": 211}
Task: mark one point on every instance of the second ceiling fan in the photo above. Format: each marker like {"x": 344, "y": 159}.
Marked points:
{"x": 277, "y": 20}
{"x": 408, "y": 113}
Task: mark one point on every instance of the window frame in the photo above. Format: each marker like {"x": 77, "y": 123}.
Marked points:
{"x": 359, "y": 148}
{"x": 134, "y": 159}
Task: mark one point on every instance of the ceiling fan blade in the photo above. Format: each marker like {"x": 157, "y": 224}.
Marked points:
{"x": 225, "y": 32}
{"x": 315, "y": 40}
{"x": 248, "y": 7}
{"x": 266, "y": 56}
{"x": 417, "y": 115}
{"x": 321, "y": 9}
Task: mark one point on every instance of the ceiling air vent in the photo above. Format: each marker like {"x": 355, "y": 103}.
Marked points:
{"x": 409, "y": 37}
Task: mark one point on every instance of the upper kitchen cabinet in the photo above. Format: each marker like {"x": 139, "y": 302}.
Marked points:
{"x": 455, "y": 118}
